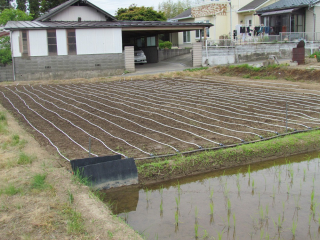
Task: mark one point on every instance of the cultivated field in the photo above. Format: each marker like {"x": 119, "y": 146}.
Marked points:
{"x": 142, "y": 118}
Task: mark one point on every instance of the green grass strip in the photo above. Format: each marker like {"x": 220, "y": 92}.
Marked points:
{"x": 241, "y": 154}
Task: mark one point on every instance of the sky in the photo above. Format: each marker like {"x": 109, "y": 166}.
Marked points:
{"x": 111, "y": 6}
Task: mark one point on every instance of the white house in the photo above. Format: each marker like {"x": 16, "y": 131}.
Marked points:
{"x": 79, "y": 40}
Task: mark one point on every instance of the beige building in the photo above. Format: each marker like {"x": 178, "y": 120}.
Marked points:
{"x": 243, "y": 12}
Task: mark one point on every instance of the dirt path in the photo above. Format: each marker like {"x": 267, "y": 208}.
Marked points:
{"x": 39, "y": 199}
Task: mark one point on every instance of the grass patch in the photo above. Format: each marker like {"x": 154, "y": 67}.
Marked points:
{"x": 10, "y": 190}
{"x": 3, "y": 123}
{"x": 206, "y": 160}
{"x": 195, "y": 69}
{"x": 80, "y": 178}
{"x": 25, "y": 159}
{"x": 39, "y": 181}
{"x": 75, "y": 222}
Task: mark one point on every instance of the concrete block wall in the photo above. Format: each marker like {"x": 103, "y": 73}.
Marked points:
{"x": 129, "y": 58}
{"x": 252, "y": 52}
{"x": 69, "y": 67}
{"x": 6, "y": 73}
{"x": 197, "y": 54}
{"x": 169, "y": 53}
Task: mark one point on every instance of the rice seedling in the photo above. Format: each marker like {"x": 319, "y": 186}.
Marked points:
{"x": 211, "y": 194}
{"x": 161, "y": 206}
{"x": 249, "y": 172}
{"x": 196, "y": 212}
{"x": 294, "y": 227}
{"x": 238, "y": 186}
{"x": 234, "y": 220}
{"x": 283, "y": 206}
{"x": 161, "y": 191}
{"x": 288, "y": 189}
{"x": 238, "y": 177}
{"x": 252, "y": 186}
{"x": 226, "y": 190}
{"x": 312, "y": 197}
{"x": 220, "y": 235}
{"x": 304, "y": 174}
{"x": 177, "y": 202}
{"x": 310, "y": 217}
{"x": 147, "y": 194}
{"x": 196, "y": 227}
{"x": 297, "y": 203}
{"x": 279, "y": 176}
{"x": 205, "y": 234}
{"x": 261, "y": 214}
{"x": 273, "y": 192}
{"x": 211, "y": 208}
{"x": 228, "y": 220}
{"x": 229, "y": 204}
{"x": 179, "y": 188}
{"x": 261, "y": 234}
{"x": 176, "y": 218}
{"x": 267, "y": 210}
{"x": 267, "y": 237}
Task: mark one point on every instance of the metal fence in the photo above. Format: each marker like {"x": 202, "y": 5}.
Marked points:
{"x": 283, "y": 37}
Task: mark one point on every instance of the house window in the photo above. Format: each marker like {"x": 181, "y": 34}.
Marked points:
{"x": 72, "y": 44}
{"x": 52, "y": 42}
{"x": 25, "y": 49}
{"x": 186, "y": 37}
{"x": 207, "y": 30}
{"x": 151, "y": 41}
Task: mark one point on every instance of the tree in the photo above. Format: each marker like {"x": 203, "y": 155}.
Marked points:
{"x": 5, "y": 50}
{"x": 21, "y": 5}
{"x": 46, "y": 5}
{"x": 5, "y": 4}
{"x": 34, "y": 8}
{"x": 134, "y": 13}
{"x": 173, "y": 8}
{"x": 13, "y": 15}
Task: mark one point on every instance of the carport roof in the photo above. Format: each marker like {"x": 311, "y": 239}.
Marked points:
{"x": 126, "y": 25}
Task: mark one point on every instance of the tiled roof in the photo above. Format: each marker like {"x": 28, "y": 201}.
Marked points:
{"x": 253, "y": 5}
{"x": 284, "y": 4}
{"x": 184, "y": 14}
{"x": 16, "y": 25}
{"x": 63, "y": 6}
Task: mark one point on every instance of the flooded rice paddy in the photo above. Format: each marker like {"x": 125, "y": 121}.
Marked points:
{"x": 268, "y": 200}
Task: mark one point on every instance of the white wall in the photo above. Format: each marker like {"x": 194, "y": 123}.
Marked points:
{"x": 15, "y": 44}
{"x": 72, "y": 13}
{"x": 99, "y": 41}
{"x": 38, "y": 43}
{"x": 62, "y": 41}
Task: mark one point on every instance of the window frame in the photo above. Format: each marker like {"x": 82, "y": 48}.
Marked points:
{"x": 71, "y": 52}
{"x": 187, "y": 34}
{"x": 24, "y": 43}
{"x": 207, "y": 29}
{"x": 51, "y": 53}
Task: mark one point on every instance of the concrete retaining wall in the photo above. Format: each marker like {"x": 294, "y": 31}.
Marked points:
{"x": 69, "y": 67}
{"x": 253, "y": 52}
{"x": 169, "y": 53}
{"x": 6, "y": 73}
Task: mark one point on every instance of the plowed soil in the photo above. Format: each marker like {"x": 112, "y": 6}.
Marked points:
{"x": 162, "y": 116}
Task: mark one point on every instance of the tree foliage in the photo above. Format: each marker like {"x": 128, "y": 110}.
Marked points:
{"x": 22, "y": 5}
{"x": 173, "y": 8}
{"x": 5, "y": 4}
{"x": 5, "y": 50}
{"x": 46, "y": 5}
{"x": 134, "y": 13}
{"x": 13, "y": 15}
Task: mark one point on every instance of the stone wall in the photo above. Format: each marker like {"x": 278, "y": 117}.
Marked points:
{"x": 69, "y": 67}
{"x": 252, "y": 52}
{"x": 6, "y": 73}
{"x": 169, "y": 53}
